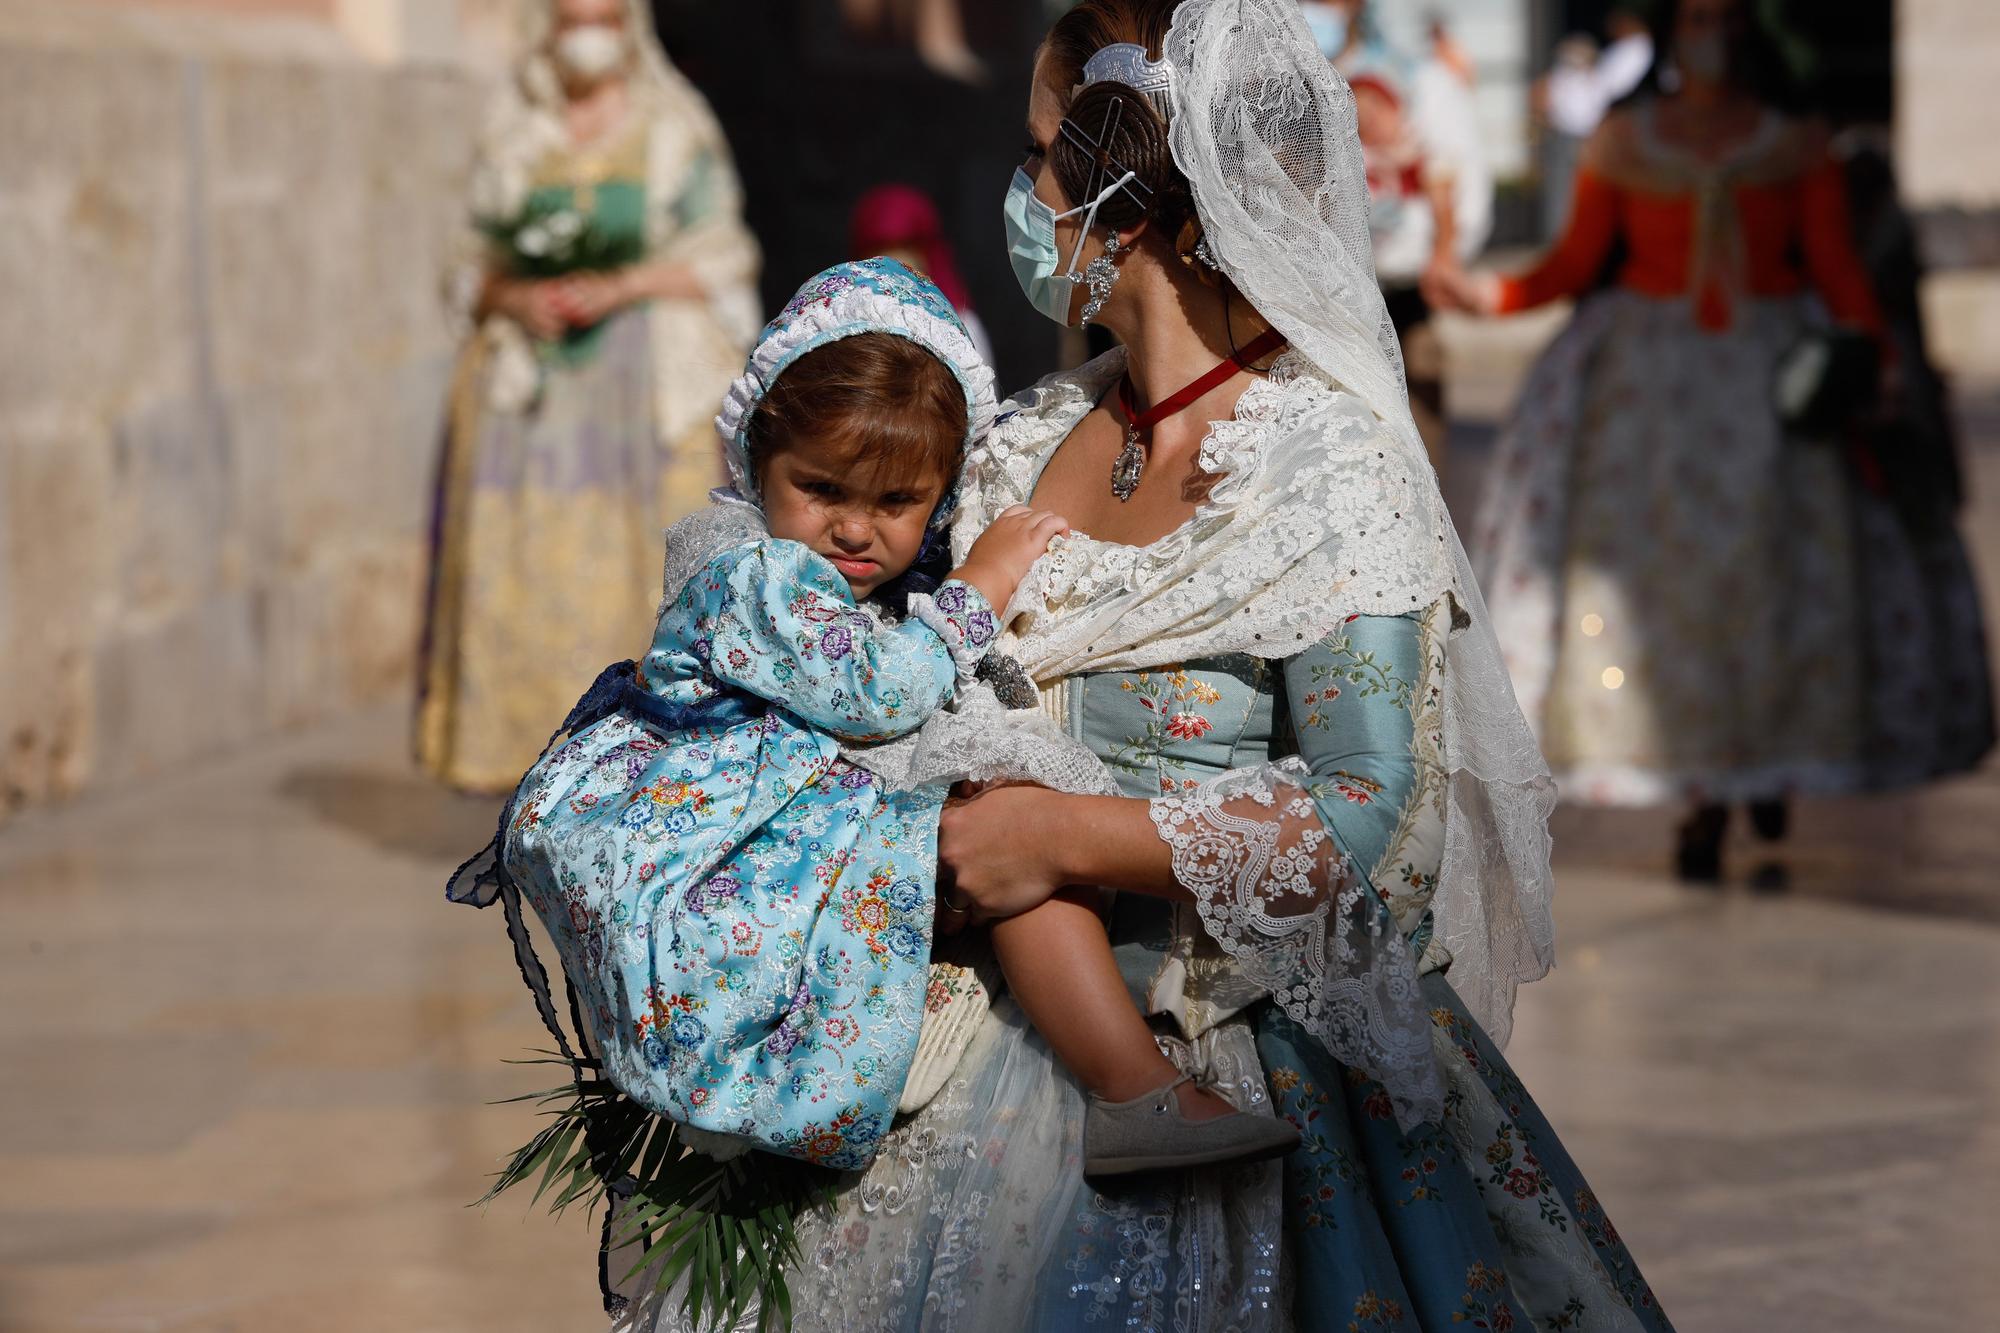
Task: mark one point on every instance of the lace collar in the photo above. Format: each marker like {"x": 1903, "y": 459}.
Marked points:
{"x": 1321, "y": 510}
{"x": 1007, "y": 467}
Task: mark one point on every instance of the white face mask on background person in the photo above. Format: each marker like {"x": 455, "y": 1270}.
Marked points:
{"x": 590, "y": 52}
{"x": 1031, "y": 243}
{"x": 1329, "y": 27}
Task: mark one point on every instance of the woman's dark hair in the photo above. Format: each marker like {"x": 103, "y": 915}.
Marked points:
{"x": 1137, "y": 136}
{"x": 877, "y": 399}
{"x": 1759, "y": 67}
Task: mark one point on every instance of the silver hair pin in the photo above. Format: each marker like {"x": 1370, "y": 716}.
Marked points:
{"x": 1101, "y": 273}
{"x": 1127, "y": 63}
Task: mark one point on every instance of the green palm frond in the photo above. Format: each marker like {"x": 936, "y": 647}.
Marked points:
{"x": 728, "y": 1229}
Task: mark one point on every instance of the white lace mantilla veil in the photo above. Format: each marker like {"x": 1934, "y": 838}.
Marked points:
{"x": 1258, "y": 106}
{"x": 1327, "y": 508}
{"x": 1257, "y": 103}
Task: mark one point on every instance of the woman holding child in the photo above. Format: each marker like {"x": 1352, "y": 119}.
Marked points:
{"x": 1327, "y": 852}
{"x": 1248, "y": 1078}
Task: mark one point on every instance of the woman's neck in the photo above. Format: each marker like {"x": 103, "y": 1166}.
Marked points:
{"x": 593, "y": 113}
{"x": 1175, "y": 328}
{"x": 1701, "y": 95}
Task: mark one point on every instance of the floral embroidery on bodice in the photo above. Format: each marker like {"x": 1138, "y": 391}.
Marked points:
{"x": 1361, "y": 709}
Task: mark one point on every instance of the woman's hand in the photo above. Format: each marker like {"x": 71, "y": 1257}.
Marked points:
{"x": 996, "y": 853}
{"x": 590, "y": 297}
{"x": 999, "y": 560}
{"x": 1448, "y": 286}
{"x": 533, "y": 303}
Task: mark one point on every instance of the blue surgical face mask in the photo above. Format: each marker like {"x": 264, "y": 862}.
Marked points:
{"x": 1329, "y": 28}
{"x": 1031, "y": 243}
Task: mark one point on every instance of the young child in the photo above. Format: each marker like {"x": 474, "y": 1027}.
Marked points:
{"x": 745, "y": 912}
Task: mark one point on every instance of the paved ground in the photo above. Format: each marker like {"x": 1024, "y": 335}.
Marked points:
{"x": 247, "y": 1049}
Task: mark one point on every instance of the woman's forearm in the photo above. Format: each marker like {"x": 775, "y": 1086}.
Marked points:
{"x": 492, "y": 290}
{"x": 1110, "y": 842}
{"x": 663, "y": 280}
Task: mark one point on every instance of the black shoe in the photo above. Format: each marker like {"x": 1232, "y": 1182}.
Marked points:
{"x": 1771, "y": 877}
{"x": 1698, "y": 859}
{"x": 1771, "y": 819}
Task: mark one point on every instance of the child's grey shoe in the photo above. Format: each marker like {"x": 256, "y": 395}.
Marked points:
{"x": 1149, "y": 1133}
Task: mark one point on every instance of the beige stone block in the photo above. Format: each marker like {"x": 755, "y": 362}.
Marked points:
{"x": 341, "y": 261}
{"x": 52, "y": 600}
{"x": 307, "y": 450}
{"x": 1946, "y": 116}
{"x": 412, "y": 209}
{"x": 93, "y": 248}
{"x": 283, "y": 234}
{"x": 401, "y": 30}
{"x": 177, "y": 690}
{"x": 377, "y": 599}
{"x": 321, "y": 462}
{"x": 415, "y": 410}
{"x": 168, "y": 497}
{"x": 344, "y": 632}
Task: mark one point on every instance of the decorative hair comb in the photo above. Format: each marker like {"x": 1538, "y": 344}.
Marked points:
{"x": 1127, "y": 63}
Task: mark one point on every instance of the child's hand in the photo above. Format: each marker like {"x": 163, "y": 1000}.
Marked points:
{"x": 1000, "y": 558}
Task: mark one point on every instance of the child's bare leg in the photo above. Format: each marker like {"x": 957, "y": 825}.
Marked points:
{"x": 1059, "y": 969}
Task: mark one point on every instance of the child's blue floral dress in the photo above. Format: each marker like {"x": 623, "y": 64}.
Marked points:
{"x": 746, "y": 914}
{"x": 744, "y": 917}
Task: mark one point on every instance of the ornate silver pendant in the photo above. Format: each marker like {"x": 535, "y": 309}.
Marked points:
{"x": 1131, "y": 462}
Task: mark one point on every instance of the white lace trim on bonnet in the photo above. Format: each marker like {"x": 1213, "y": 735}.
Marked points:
{"x": 868, "y": 296}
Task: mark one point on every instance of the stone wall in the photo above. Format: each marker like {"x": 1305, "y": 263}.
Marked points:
{"x": 1947, "y": 52}
{"x": 222, "y": 364}
{"x": 1948, "y": 162}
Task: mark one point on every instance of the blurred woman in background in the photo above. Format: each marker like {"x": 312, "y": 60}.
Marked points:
{"x": 1429, "y": 187}
{"x": 612, "y": 294}
{"x": 1696, "y": 603}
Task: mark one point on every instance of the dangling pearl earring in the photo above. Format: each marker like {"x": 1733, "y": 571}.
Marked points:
{"x": 1100, "y": 275}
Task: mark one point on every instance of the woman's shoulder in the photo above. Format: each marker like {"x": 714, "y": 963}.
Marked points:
{"x": 1052, "y": 391}
{"x": 1302, "y": 419}
{"x": 1616, "y": 148}
{"x": 1000, "y": 469}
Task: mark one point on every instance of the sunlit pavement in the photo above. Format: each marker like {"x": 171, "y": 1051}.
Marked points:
{"x": 248, "y": 1051}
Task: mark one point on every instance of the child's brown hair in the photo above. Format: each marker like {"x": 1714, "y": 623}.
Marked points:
{"x": 875, "y": 399}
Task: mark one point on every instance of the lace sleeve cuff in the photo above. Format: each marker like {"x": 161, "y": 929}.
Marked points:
{"x": 1298, "y": 923}
{"x": 959, "y": 615}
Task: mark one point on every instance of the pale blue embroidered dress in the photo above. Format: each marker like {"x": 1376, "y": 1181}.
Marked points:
{"x": 745, "y": 914}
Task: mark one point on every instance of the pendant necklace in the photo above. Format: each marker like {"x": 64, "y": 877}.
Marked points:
{"x": 1139, "y": 425}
